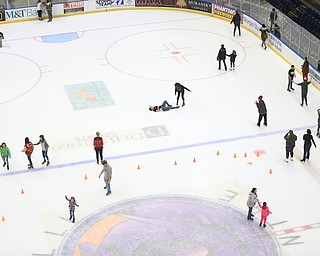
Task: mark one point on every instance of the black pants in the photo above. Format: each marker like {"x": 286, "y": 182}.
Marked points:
{"x": 264, "y": 116}
{"x": 306, "y": 151}
{"x": 235, "y": 28}
{"x": 224, "y": 62}
{"x": 99, "y": 154}
{"x": 289, "y": 151}
{"x": 72, "y": 215}
{"x": 182, "y": 96}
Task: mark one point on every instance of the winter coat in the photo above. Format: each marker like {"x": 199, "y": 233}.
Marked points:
{"x": 264, "y": 33}
{"x": 305, "y": 67}
{"x": 262, "y": 109}
{"x": 179, "y": 88}
{"x": 222, "y": 54}
{"x": 290, "y": 140}
{"x": 1, "y": 35}
{"x": 308, "y": 138}
{"x": 304, "y": 87}
{"x": 236, "y": 19}
{"x": 252, "y": 199}
{"x": 4, "y": 152}
{"x": 264, "y": 210}
{"x": 232, "y": 57}
{"x": 98, "y": 142}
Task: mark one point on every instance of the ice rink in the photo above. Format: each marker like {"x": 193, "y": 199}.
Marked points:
{"x": 180, "y": 178}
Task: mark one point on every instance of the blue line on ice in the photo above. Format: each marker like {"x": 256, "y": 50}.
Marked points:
{"x": 154, "y": 151}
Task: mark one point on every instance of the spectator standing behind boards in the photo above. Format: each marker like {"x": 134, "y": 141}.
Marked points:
{"x": 232, "y": 56}
{"x": 304, "y": 91}
{"x": 318, "y": 68}
{"x": 273, "y": 17}
{"x": 318, "y": 129}
{"x": 305, "y": 68}
{"x": 107, "y": 170}
{"x": 291, "y": 75}
{"x": 72, "y": 207}
{"x": 1, "y": 38}
{"x": 222, "y": 57}
{"x": 179, "y": 89}
{"x": 39, "y": 9}
{"x": 49, "y": 10}
{"x": 252, "y": 200}
{"x": 264, "y": 35}
{"x": 307, "y": 145}
{"x": 164, "y": 107}
{"x": 264, "y": 213}
{"x": 5, "y": 154}
{"x": 28, "y": 149}
{"x": 98, "y": 147}
{"x": 45, "y": 147}
{"x": 262, "y": 110}
{"x": 290, "y": 138}
{"x": 236, "y": 19}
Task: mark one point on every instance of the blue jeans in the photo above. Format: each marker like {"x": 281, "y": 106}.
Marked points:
{"x": 29, "y": 159}
{"x": 45, "y": 155}
{"x": 166, "y": 106}
{"x": 249, "y": 213}
{"x": 107, "y": 185}
{"x": 50, "y": 15}
{"x": 5, "y": 160}
{"x": 289, "y": 83}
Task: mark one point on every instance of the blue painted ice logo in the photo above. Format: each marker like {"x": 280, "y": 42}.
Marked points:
{"x": 88, "y": 95}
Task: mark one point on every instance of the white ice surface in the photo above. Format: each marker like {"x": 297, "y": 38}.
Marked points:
{"x": 131, "y": 52}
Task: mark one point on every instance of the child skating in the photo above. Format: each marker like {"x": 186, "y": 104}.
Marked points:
{"x": 72, "y": 206}
{"x": 28, "y": 149}
{"x": 264, "y": 213}
{"x": 44, "y": 147}
{"x": 232, "y": 56}
{"x": 5, "y": 154}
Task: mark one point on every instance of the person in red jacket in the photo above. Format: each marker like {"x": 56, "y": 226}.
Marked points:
{"x": 98, "y": 146}
{"x": 28, "y": 149}
{"x": 264, "y": 213}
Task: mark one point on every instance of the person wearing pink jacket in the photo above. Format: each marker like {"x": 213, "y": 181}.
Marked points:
{"x": 264, "y": 213}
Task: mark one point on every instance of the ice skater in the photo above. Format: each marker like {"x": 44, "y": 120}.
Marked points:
{"x": 222, "y": 57}
{"x": 5, "y": 154}
{"x": 39, "y": 9}
{"x": 107, "y": 170}
{"x": 49, "y": 10}
{"x": 291, "y": 139}
{"x": 45, "y": 147}
{"x": 308, "y": 138}
{"x": 1, "y": 38}
{"x": 318, "y": 129}
{"x": 291, "y": 75}
{"x": 264, "y": 213}
{"x": 304, "y": 91}
{"x": 305, "y": 68}
{"x": 264, "y": 35}
{"x": 98, "y": 147}
{"x": 236, "y": 19}
{"x": 262, "y": 110}
{"x": 28, "y": 150}
{"x": 232, "y": 56}
{"x": 165, "y": 106}
{"x": 251, "y": 202}
{"x": 179, "y": 90}
{"x": 72, "y": 206}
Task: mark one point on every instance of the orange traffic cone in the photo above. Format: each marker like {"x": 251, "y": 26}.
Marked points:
{"x": 245, "y": 154}
{"x": 194, "y": 159}
{"x": 270, "y": 171}
{"x": 138, "y": 167}
{"x": 22, "y": 192}
{"x": 235, "y": 155}
{"x": 3, "y": 219}
{"x": 175, "y": 162}
{"x": 249, "y": 163}
{"x": 258, "y": 154}
{"x": 85, "y": 177}
{"x": 218, "y": 153}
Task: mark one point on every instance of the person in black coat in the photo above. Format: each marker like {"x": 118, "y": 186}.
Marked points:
{"x": 236, "y": 21}
{"x": 179, "y": 89}
{"x": 290, "y": 138}
{"x": 304, "y": 91}
{"x": 222, "y": 57}
{"x": 262, "y": 109}
{"x": 307, "y": 145}
{"x": 232, "y": 56}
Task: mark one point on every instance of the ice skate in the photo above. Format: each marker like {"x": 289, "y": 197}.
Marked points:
{"x": 8, "y": 167}
{"x": 264, "y": 225}
{"x": 30, "y": 166}
{"x": 44, "y": 161}
{"x": 48, "y": 163}
{"x": 4, "y": 164}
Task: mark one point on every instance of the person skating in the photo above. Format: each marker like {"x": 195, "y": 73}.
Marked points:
{"x": 318, "y": 129}
{"x": 179, "y": 90}
{"x": 98, "y": 147}
{"x": 165, "y": 106}
{"x": 304, "y": 91}
{"x": 308, "y": 138}
{"x": 252, "y": 200}
{"x": 45, "y": 147}
{"x": 291, "y": 75}
{"x": 305, "y": 68}
{"x": 107, "y": 170}
{"x": 264, "y": 213}
{"x": 39, "y": 9}
{"x": 262, "y": 110}
{"x": 232, "y": 56}
{"x": 28, "y": 149}
{"x": 291, "y": 139}
{"x": 264, "y": 35}
{"x": 236, "y": 19}
{"x": 49, "y": 10}
{"x": 5, "y": 154}
{"x": 72, "y": 205}
{"x": 1, "y": 38}
{"x": 222, "y": 57}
